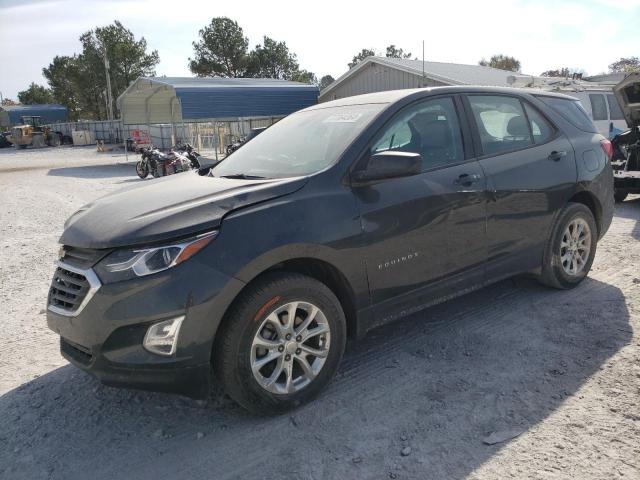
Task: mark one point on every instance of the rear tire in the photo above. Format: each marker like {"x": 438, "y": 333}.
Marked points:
{"x": 620, "y": 195}
{"x": 292, "y": 377}
{"x": 571, "y": 248}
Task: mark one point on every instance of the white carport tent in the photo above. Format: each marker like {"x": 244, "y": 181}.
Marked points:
{"x": 152, "y": 102}
{"x": 149, "y": 101}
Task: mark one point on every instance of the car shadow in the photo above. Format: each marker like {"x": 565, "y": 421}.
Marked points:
{"x": 96, "y": 171}
{"x": 500, "y": 359}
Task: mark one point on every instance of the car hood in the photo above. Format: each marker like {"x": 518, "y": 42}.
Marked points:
{"x": 167, "y": 208}
{"x": 627, "y": 93}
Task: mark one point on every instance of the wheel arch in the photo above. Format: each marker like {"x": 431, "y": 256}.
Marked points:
{"x": 329, "y": 275}
{"x": 306, "y": 261}
{"x": 590, "y": 201}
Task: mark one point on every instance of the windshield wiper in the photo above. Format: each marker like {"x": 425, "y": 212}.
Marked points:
{"x": 243, "y": 176}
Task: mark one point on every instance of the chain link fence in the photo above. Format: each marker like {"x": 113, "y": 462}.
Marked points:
{"x": 209, "y": 137}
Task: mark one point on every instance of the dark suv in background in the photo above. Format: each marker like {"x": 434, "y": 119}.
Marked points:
{"x": 339, "y": 218}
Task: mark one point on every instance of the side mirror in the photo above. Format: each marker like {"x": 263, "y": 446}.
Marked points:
{"x": 390, "y": 164}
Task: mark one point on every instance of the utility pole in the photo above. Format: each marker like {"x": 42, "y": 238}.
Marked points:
{"x": 423, "y": 63}
{"x": 109, "y": 95}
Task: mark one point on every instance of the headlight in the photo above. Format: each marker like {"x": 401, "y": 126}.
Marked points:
{"x": 129, "y": 263}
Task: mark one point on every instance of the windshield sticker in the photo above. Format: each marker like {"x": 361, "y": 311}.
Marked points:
{"x": 343, "y": 118}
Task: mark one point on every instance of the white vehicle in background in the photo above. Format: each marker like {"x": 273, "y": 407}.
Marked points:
{"x": 603, "y": 108}
{"x": 597, "y": 99}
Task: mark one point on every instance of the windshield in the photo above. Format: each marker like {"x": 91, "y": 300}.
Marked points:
{"x": 300, "y": 144}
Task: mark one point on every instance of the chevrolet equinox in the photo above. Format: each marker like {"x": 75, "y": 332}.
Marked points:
{"x": 339, "y": 218}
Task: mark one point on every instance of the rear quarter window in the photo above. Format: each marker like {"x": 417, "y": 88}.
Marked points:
{"x": 571, "y": 111}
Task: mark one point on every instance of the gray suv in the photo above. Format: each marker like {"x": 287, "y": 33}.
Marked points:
{"x": 339, "y": 218}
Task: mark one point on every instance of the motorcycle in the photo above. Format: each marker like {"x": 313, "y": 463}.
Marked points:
{"x": 190, "y": 152}
{"x": 252, "y": 134}
{"x": 160, "y": 164}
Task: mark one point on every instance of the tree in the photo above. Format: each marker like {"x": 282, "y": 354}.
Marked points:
{"x": 304, "y": 76}
{"x": 503, "y": 62}
{"x": 563, "y": 72}
{"x": 64, "y": 79}
{"x": 128, "y": 60}
{"x": 221, "y": 50}
{"x": 79, "y": 81}
{"x": 326, "y": 81}
{"x": 35, "y": 94}
{"x": 272, "y": 59}
{"x": 625, "y": 65}
{"x": 7, "y": 102}
{"x": 364, "y": 53}
{"x": 393, "y": 52}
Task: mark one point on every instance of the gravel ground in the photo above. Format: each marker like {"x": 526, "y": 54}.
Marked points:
{"x": 513, "y": 381}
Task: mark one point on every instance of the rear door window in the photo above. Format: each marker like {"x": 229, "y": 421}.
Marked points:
{"x": 571, "y": 111}
{"x": 502, "y": 124}
{"x": 598, "y": 106}
{"x": 614, "y": 108}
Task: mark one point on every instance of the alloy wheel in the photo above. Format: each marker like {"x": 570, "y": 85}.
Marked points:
{"x": 575, "y": 247}
{"x": 290, "y": 347}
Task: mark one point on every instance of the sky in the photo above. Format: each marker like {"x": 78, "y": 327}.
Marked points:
{"x": 325, "y": 35}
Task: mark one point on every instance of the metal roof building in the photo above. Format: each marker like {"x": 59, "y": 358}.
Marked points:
{"x": 376, "y": 74}
{"x": 607, "y": 78}
{"x": 155, "y": 100}
{"x": 50, "y": 113}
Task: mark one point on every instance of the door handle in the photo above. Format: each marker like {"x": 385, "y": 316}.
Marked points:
{"x": 467, "y": 179}
{"x": 555, "y": 155}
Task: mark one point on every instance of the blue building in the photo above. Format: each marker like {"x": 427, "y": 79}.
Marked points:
{"x": 50, "y": 113}
{"x": 158, "y": 100}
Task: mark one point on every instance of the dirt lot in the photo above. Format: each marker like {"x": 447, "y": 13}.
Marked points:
{"x": 554, "y": 374}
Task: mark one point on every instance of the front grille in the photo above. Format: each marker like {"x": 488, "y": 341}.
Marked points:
{"x": 76, "y": 352}
{"x": 68, "y": 289}
{"x": 82, "y": 257}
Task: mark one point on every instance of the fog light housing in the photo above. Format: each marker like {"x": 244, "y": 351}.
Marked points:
{"x": 162, "y": 337}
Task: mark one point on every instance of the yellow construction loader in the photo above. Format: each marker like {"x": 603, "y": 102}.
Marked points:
{"x": 33, "y": 133}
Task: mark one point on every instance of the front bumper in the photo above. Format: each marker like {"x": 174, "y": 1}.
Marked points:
{"x": 105, "y": 337}
{"x": 189, "y": 380}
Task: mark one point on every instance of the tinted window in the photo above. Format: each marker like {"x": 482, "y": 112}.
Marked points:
{"x": 572, "y": 111}
{"x": 300, "y": 144}
{"x": 430, "y": 128}
{"x": 598, "y": 106}
{"x": 614, "y": 108}
{"x": 540, "y": 128}
{"x": 501, "y": 123}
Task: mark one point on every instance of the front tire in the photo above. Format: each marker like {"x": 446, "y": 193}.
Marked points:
{"x": 142, "y": 169}
{"x": 53, "y": 140}
{"x": 571, "y": 249}
{"x": 280, "y": 344}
